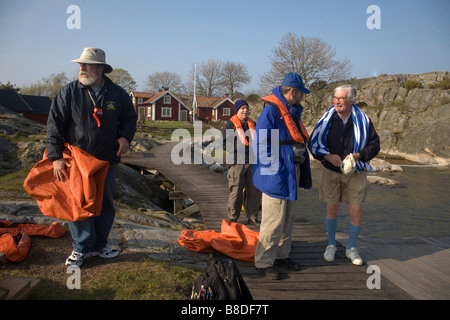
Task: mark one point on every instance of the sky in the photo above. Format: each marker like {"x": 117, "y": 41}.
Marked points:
{"x": 144, "y": 37}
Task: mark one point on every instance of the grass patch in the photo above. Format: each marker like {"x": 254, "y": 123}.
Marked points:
{"x": 14, "y": 181}
{"x": 130, "y": 276}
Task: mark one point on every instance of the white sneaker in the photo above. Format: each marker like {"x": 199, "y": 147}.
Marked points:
{"x": 329, "y": 253}
{"x": 107, "y": 252}
{"x": 76, "y": 258}
{"x": 353, "y": 255}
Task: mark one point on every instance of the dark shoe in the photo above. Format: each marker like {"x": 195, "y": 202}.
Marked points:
{"x": 233, "y": 220}
{"x": 254, "y": 222}
{"x": 287, "y": 263}
{"x": 269, "y": 273}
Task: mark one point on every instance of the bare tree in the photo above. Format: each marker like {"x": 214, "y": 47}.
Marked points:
{"x": 209, "y": 78}
{"x": 47, "y": 86}
{"x": 123, "y": 78}
{"x": 234, "y": 75}
{"x": 313, "y": 59}
{"x": 171, "y": 80}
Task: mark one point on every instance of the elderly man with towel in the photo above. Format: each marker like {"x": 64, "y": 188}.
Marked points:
{"x": 344, "y": 140}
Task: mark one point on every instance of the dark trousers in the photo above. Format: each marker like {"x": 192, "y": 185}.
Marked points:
{"x": 240, "y": 177}
{"x": 92, "y": 234}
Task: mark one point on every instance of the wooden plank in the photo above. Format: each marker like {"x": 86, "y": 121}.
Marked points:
{"x": 186, "y": 212}
{"x": 17, "y": 288}
{"x": 177, "y": 195}
{"x": 418, "y": 266}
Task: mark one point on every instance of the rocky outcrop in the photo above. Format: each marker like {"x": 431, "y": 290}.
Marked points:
{"x": 411, "y": 113}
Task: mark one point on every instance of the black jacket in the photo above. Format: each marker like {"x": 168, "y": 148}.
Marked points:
{"x": 71, "y": 120}
{"x": 230, "y": 143}
{"x": 340, "y": 141}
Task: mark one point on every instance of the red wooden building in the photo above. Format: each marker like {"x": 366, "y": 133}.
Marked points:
{"x": 162, "y": 105}
{"x": 214, "y": 108}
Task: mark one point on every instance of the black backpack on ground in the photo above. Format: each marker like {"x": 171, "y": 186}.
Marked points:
{"x": 221, "y": 280}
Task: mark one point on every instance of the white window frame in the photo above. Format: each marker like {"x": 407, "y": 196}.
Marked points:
{"x": 167, "y": 99}
{"x": 166, "y": 112}
{"x": 226, "y": 111}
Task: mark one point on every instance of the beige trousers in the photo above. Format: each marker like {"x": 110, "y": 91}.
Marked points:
{"x": 275, "y": 232}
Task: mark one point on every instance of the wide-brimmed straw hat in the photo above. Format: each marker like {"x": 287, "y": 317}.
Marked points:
{"x": 94, "y": 56}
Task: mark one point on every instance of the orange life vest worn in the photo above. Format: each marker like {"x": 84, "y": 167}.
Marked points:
{"x": 287, "y": 118}
{"x": 237, "y": 123}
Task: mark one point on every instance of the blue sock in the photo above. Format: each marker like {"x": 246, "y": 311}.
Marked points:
{"x": 353, "y": 232}
{"x": 331, "y": 230}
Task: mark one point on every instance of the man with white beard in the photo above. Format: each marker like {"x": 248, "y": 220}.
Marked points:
{"x": 96, "y": 115}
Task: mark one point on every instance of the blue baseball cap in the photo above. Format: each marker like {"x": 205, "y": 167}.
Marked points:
{"x": 293, "y": 80}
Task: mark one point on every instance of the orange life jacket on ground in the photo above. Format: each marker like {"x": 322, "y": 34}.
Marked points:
{"x": 16, "y": 252}
{"x": 235, "y": 240}
{"x": 296, "y": 135}
{"x": 237, "y": 123}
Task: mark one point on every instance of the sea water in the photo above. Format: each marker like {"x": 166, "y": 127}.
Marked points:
{"x": 419, "y": 206}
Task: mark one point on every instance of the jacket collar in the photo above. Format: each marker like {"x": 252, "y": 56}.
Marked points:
{"x": 277, "y": 92}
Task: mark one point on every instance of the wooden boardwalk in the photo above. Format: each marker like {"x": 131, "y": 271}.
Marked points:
{"x": 317, "y": 278}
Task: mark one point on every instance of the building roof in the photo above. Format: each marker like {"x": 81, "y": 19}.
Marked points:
{"x": 155, "y": 97}
{"x": 211, "y": 102}
{"x": 13, "y": 101}
{"x": 39, "y": 104}
{"x": 140, "y": 94}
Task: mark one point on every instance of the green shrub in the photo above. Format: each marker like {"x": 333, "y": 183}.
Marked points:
{"x": 412, "y": 84}
{"x": 443, "y": 84}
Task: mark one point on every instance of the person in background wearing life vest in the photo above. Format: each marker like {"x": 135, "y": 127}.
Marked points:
{"x": 238, "y": 133}
{"x": 287, "y": 172}
{"x": 96, "y": 115}
{"x": 344, "y": 140}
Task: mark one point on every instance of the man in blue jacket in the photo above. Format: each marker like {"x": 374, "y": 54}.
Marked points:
{"x": 96, "y": 115}
{"x": 282, "y": 165}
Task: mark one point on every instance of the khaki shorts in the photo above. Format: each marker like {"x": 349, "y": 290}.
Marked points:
{"x": 337, "y": 187}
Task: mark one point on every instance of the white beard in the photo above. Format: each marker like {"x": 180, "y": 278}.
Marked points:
{"x": 87, "y": 78}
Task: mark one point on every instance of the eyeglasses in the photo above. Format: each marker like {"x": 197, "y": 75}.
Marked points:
{"x": 341, "y": 99}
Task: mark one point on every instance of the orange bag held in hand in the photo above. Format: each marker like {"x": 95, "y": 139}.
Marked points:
{"x": 79, "y": 197}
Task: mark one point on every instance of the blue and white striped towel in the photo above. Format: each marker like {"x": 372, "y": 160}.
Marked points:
{"x": 361, "y": 132}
